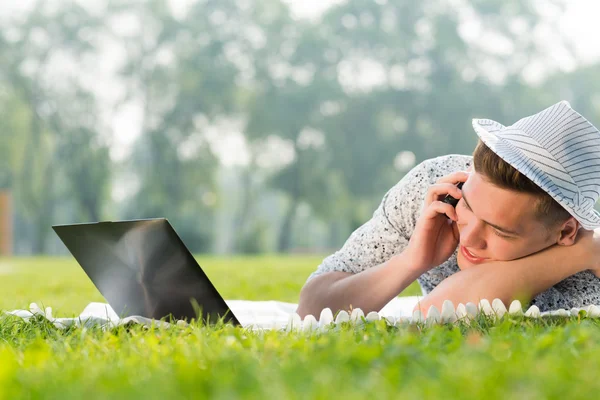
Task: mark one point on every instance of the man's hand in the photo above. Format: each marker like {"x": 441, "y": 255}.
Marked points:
{"x": 591, "y": 241}
{"x": 523, "y": 278}
{"x": 436, "y": 235}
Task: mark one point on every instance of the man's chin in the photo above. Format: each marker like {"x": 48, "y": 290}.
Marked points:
{"x": 463, "y": 265}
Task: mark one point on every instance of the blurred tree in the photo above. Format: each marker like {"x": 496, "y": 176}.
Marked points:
{"x": 47, "y": 36}
{"x": 88, "y": 170}
{"x": 177, "y": 69}
{"x": 412, "y": 81}
{"x": 334, "y": 110}
{"x": 290, "y": 84}
{"x": 349, "y": 92}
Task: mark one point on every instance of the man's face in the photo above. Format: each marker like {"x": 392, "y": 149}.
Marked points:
{"x": 485, "y": 215}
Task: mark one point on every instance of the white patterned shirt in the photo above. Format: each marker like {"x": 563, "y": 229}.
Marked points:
{"x": 389, "y": 230}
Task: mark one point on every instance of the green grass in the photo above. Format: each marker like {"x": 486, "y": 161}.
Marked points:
{"x": 62, "y": 284}
{"x": 514, "y": 357}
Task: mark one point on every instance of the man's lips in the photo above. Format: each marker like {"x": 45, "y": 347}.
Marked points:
{"x": 469, "y": 256}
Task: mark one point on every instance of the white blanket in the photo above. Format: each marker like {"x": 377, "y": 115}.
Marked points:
{"x": 282, "y": 315}
{"x": 276, "y": 314}
{"x": 251, "y": 314}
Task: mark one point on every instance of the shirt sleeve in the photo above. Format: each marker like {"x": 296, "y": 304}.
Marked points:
{"x": 579, "y": 290}
{"x": 388, "y": 231}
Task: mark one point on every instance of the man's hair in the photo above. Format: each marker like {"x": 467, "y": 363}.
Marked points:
{"x": 505, "y": 176}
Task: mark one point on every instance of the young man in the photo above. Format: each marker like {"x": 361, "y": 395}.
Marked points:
{"x": 523, "y": 227}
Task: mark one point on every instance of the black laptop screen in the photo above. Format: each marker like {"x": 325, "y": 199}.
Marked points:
{"x": 143, "y": 268}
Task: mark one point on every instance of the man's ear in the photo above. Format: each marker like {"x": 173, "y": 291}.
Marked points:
{"x": 568, "y": 232}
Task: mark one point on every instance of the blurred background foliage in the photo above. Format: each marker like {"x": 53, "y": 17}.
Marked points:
{"x": 250, "y": 128}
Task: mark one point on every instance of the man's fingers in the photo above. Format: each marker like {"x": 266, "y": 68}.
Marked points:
{"x": 439, "y": 207}
{"x": 442, "y": 189}
{"x": 454, "y": 178}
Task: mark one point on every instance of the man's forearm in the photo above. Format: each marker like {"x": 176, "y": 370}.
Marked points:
{"x": 521, "y": 279}
{"x": 369, "y": 290}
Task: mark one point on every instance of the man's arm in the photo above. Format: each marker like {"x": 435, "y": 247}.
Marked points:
{"x": 377, "y": 245}
{"x": 356, "y": 274}
{"x": 368, "y": 290}
{"x": 521, "y": 279}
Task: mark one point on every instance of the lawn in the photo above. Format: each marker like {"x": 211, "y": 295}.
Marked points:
{"x": 514, "y": 357}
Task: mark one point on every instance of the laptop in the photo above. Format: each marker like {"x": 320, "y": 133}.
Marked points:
{"x": 142, "y": 267}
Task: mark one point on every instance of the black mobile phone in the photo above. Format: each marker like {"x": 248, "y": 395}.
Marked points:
{"x": 451, "y": 200}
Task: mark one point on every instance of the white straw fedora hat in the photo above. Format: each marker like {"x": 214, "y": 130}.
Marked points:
{"x": 559, "y": 150}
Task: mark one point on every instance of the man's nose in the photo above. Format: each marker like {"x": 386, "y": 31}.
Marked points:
{"x": 471, "y": 235}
